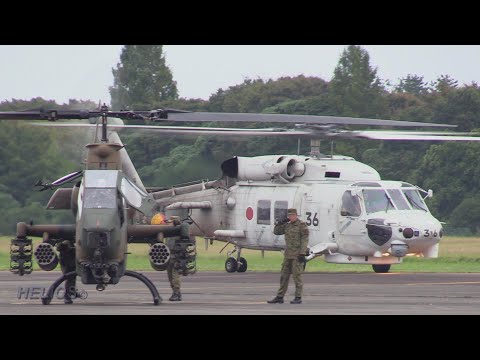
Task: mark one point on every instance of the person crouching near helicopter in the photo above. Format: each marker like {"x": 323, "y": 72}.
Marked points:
{"x": 296, "y": 241}
{"x": 173, "y": 276}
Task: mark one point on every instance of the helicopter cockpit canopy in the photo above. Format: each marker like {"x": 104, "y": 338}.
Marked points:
{"x": 390, "y": 195}
{"x": 101, "y": 188}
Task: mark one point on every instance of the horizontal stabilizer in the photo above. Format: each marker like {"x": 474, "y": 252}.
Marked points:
{"x": 190, "y": 205}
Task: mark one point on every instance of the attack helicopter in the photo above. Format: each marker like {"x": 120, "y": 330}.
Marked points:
{"x": 109, "y": 202}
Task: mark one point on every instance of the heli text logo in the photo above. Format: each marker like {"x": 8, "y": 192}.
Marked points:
{"x": 37, "y": 292}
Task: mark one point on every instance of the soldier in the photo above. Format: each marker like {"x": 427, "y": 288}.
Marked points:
{"x": 173, "y": 275}
{"x": 67, "y": 263}
{"x": 296, "y": 241}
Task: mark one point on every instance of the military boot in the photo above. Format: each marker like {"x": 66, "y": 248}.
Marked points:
{"x": 276, "y": 300}
{"x": 176, "y": 296}
{"x": 297, "y": 300}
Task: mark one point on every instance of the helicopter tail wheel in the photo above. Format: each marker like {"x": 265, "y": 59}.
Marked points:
{"x": 384, "y": 268}
{"x": 242, "y": 265}
{"x": 231, "y": 265}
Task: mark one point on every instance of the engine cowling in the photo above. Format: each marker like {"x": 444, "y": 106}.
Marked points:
{"x": 261, "y": 168}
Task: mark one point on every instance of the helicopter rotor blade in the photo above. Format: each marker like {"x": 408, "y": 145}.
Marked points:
{"x": 174, "y": 115}
{"x": 413, "y": 136}
{"x": 366, "y": 134}
{"x": 300, "y": 119}
{"x": 187, "y": 130}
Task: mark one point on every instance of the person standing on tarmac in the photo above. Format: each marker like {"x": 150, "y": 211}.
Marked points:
{"x": 296, "y": 241}
{"x": 173, "y": 276}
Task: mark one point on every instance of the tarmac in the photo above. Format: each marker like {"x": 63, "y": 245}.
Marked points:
{"x": 221, "y": 293}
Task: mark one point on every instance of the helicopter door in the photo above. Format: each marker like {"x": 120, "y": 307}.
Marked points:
{"x": 350, "y": 223}
{"x": 261, "y": 227}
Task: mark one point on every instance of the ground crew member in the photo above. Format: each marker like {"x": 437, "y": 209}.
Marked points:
{"x": 66, "y": 249}
{"x": 296, "y": 241}
{"x": 173, "y": 275}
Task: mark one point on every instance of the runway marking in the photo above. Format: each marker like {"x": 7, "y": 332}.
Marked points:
{"x": 447, "y": 283}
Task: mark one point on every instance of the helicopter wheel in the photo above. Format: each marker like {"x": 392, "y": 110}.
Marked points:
{"x": 242, "y": 265}
{"x": 381, "y": 268}
{"x": 231, "y": 265}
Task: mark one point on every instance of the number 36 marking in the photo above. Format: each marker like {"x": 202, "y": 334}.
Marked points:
{"x": 310, "y": 221}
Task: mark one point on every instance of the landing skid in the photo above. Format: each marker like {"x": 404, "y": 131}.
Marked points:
{"x": 157, "y": 299}
{"x": 156, "y": 296}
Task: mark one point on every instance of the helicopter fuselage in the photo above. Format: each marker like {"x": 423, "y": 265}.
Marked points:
{"x": 361, "y": 220}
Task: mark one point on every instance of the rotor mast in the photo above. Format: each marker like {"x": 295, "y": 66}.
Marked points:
{"x": 104, "y": 111}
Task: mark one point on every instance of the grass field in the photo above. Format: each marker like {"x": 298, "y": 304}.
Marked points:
{"x": 457, "y": 254}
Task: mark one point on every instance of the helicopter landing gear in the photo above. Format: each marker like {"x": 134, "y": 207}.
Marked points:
{"x": 47, "y": 299}
{"x": 239, "y": 264}
{"x": 384, "y": 268}
{"x": 156, "y": 296}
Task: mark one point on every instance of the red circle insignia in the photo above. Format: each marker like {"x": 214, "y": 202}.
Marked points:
{"x": 249, "y": 213}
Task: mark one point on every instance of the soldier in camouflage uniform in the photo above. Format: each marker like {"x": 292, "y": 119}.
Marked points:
{"x": 296, "y": 241}
{"x": 173, "y": 275}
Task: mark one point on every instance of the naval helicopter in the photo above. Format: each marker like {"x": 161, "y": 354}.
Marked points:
{"x": 353, "y": 215}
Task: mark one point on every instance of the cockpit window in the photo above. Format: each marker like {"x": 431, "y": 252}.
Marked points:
{"x": 415, "y": 199}
{"x": 376, "y": 200}
{"x": 398, "y": 199}
{"x": 100, "y": 198}
{"x": 350, "y": 205}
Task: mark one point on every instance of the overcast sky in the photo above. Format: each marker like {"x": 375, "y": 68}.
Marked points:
{"x": 62, "y": 72}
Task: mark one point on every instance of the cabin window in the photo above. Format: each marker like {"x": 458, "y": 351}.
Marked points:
{"x": 280, "y": 211}
{"x": 350, "y": 205}
{"x": 263, "y": 212}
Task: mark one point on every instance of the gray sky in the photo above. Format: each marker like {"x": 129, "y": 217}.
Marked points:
{"x": 62, "y": 72}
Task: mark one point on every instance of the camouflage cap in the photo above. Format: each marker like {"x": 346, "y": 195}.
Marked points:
{"x": 292, "y": 212}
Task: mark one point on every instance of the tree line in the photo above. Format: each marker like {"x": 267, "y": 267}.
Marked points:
{"x": 143, "y": 81}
